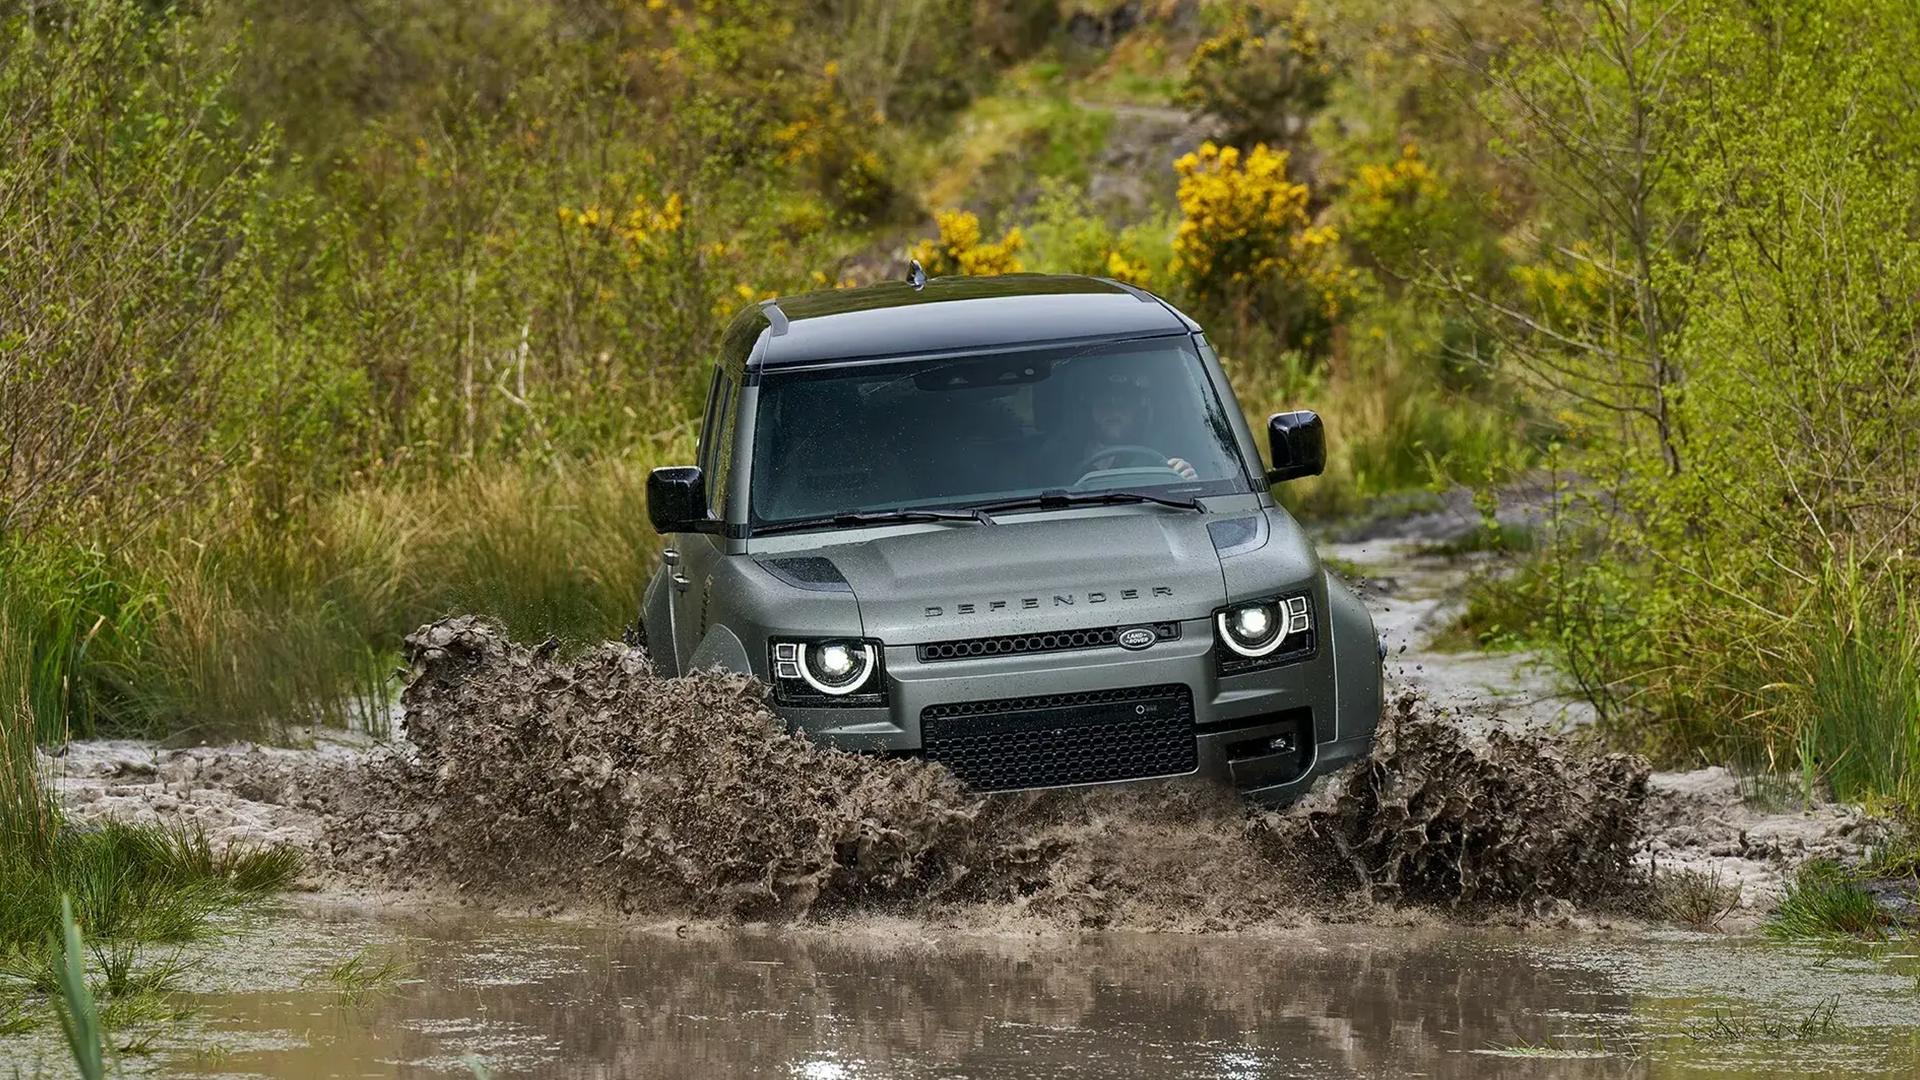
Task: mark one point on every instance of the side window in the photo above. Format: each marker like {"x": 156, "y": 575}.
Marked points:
{"x": 719, "y": 456}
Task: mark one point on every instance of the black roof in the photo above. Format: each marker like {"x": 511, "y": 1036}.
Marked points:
{"x": 953, "y": 314}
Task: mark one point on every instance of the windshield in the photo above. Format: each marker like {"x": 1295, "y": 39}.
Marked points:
{"x": 1136, "y": 416}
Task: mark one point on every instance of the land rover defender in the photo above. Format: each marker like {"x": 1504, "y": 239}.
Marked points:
{"x": 1016, "y": 525}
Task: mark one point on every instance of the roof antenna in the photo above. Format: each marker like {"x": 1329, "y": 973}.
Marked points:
{"x": 916, "y": 274}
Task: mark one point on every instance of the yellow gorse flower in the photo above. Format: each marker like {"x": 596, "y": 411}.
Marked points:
{"x": 1244, "y": 224}
{"x": 959, "y": 249}
{"x": 641, "y": 231}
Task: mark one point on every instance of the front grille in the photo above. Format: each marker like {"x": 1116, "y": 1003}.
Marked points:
{"x": 1058, "y": 739}
{"x": 1098, "y": 637}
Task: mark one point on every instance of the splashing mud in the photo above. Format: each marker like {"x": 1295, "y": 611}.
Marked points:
{"x": 1434, "y": 816}
{"x": 593, "y": 779}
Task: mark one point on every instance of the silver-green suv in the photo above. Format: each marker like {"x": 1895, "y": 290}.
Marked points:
{"x": 1015, "y": 525}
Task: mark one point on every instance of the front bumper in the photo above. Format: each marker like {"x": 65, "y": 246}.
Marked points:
{"x": 1268, "y": 733}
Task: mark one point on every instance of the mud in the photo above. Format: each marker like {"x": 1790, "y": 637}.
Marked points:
{"x": 592, "y": 780}
{"x": 1437, "y": 816}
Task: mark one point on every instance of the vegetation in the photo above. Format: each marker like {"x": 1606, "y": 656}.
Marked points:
{"x": 335, "y": 322}
{"x": 367, "y": 974}
{"x": 1715, "y": 307}
{"x": 1827, "y": 900}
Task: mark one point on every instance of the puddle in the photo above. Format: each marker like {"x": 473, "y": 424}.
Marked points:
{"x": 531, "y": 997}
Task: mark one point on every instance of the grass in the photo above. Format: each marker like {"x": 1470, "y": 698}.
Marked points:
{"x": 366, "y": 974}
{"x": 1817, "y": 1024}
{"x": 1695, "y": 900}
{"x": 249, "y": 631}
{"x": 134, "y": 885}
{"x": 73, "y": 603}
{"x": 1501, "y": 537}
{"x": 1827, "y": 901}
{"x": 1501, "y": 616}
{"x": 1859, "y": 729}
{"x": 79, "y": 1019}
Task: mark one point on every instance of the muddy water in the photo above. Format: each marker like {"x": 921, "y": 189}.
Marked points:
{"x": 540, "y": 998}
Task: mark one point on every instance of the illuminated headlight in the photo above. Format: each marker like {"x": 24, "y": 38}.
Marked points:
{"x": 835, "y": 668}
{"x": 1259, "y": 628}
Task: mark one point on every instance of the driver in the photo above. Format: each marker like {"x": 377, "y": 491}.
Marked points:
{"x": 1120, "y": 406}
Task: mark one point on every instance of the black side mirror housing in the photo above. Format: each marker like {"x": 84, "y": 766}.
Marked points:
{"x": 1298, "y": 441}
{"x": 677, "y": 500}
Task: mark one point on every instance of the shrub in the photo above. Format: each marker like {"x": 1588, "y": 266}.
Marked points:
{"x": 960, "y": 249}
{"x": 127, "y": 205}
{"x": 1260, "y": 77}
{"x": 1393, "y": 213}
{"x": 1066, "y": 237}
{"x": 1245, "y": 237}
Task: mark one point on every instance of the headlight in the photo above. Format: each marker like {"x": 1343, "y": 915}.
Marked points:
{"x": 1261, "y": 627}
{"x": 835, "y": 667}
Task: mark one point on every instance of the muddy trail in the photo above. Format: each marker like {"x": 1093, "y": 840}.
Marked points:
{"x": 533, "y": 782}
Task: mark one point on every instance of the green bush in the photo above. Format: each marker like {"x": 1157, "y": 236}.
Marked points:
{"x": 1720, "y": 324}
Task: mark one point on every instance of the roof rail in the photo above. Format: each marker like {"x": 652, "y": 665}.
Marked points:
{"x": 916, "y": 274}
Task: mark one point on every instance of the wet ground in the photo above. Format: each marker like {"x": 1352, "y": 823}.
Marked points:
{"x": 530, "y": 997}
{"x": 542, "y": 998}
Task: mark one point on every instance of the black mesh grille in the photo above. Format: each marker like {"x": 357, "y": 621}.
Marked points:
{"x": 1098, "y": 637}
{"x": 1085, "y": 738}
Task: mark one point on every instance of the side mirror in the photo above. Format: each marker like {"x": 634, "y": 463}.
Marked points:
{"x": 1299, "y": 444}
{"x": 677, "y": 500}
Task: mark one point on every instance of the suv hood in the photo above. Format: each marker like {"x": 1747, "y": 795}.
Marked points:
{"x": 1033, "y": 572}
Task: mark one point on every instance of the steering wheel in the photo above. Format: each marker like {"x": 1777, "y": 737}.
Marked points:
{"x": 1141, "y": 455}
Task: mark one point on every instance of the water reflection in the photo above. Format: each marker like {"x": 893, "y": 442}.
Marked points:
{"x": 556, "y": 1000}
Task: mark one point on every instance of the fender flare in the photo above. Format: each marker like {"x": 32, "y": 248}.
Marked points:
{"x": 721, "y": 649}
{"x": 1358, "y": 676}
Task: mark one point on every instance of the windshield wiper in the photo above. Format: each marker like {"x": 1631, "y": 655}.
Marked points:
{"x": 878, "y": 517}
{"x": 1061, "y": 500}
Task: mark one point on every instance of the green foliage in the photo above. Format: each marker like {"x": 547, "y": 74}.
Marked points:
{"x": 1718, "y": 316}
{"x": 136, "y": 885}
{"x": 72, "y": 612}
{"x": 367, "y": 974}
{"x": 129, "y": 198}
{"x": 79, "y": 1019}
{"x": 131, "y": 886}
{"x": 28, "y": 816}
{"x": 1858, "y": 716}
{"x": 1694, "y": 899}
{"x": 1065, "y": 236}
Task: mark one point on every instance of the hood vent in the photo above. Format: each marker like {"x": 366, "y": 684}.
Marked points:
{"x": 814, "y": 573}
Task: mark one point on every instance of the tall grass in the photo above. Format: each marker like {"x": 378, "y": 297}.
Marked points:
{"x": 1392, "y": 423}
{"x": 79, "y": 1015}
{"x": 27, "y": 812}
{"x": 1858, "y": 727}
{"x": 69, "y": 606}
{"x": 131, "y": 886}
{"x": 244, "y": 629}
